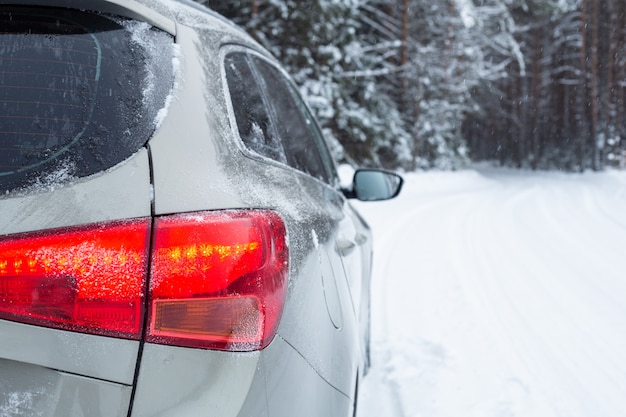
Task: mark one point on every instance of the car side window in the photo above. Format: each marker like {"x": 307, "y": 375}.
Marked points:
{"x": 316, "y": 135}
{"x": 296, "y": 130}
{"x": 272, "y": 119}
{"x": 255, "y": 126}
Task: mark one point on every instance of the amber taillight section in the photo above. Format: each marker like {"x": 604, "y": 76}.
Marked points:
{"x": 218, "y": 280}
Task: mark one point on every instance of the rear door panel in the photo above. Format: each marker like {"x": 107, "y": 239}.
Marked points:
{"x": 48, "y": 372}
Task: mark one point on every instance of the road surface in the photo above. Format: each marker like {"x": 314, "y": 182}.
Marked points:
{"x": 499, "y": 293}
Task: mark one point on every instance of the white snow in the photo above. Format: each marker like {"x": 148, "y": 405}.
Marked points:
{"x": 499, "y": 293}
{"x": 467, "y": 13}
{"x": 49, "y": 181}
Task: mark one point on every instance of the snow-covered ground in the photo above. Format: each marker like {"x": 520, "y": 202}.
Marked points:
{"x": 499, "y": 293}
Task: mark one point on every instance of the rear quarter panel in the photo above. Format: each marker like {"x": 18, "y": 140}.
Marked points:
{"x": 199, "y": 164}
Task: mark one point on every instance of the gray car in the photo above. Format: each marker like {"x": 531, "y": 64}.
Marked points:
{"x": 174, "y": 239}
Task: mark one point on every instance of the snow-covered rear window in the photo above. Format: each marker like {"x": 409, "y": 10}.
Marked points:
{"x": 79, "y": 92}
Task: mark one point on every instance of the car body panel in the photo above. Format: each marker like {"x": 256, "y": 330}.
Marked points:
{"x": 175, "y": 381}
{"x": 357, "y": 265}
{"x": 198, "y": 183}
{"x": 30, "y": 390}
{"x": 191, "y": 382}
{"x": 103, "y": 358}
{"x": 121, "y": 192}
{"x": 312, "y": 396}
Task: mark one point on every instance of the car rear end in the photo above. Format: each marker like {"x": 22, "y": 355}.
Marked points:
{"x": 80, "y": 94}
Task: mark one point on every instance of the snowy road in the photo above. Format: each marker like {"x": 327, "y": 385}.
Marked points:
{"x": 498, "y": 293}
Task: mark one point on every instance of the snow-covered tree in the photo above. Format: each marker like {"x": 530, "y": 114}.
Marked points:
{"x": 421, "y": 83}
{"x": 324, "y": 47}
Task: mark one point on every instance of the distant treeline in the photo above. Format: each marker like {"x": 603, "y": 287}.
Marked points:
{"x": 420, "y": 83}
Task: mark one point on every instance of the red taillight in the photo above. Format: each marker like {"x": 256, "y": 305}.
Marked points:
{"x": 218, "y": 280}
{"x": 88, "y": 279}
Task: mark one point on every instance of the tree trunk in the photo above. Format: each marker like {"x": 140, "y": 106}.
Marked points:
{"x": 537, "y": 69}
{"x": 582, "y": 94}
{"x": 620, "y": 14}
{"x": 255, "y": 8}
{"x": 596, "y": 139}
{"x": 524, "y": 119}
{"x": 609, "y": 102}
{"x": 404, "y": 58}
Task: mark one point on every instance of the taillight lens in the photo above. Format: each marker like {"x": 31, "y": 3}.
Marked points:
{"x": 218, "y": 280}
{"x": 88, "y": 279}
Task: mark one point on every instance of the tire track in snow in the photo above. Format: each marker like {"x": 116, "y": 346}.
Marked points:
{"x": 531, "y": 276}
{"x": 395, "y": 365}
{"x": 572, "y": 339}
{"x": 497, "y": 314}
{"x": 504, "y": 284}
{"x": 387, "y": 242}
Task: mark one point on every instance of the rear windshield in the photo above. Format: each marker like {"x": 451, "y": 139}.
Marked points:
{"x": 79, "y": 92}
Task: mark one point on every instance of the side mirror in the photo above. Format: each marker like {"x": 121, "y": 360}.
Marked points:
{"x": 374, "y": 185}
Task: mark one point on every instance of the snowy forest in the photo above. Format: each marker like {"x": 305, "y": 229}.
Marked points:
{"x": 416, "y": 84}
